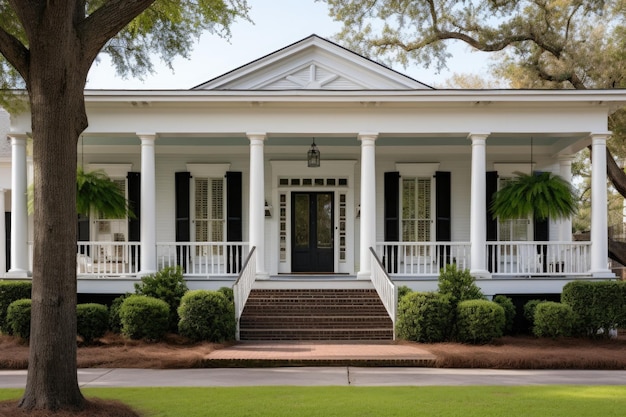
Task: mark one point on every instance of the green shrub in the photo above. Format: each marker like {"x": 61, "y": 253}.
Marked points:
{"x": 11, "y": 291}
{"x": 402, "y": 291}
{"x": 479, "y": 321}
{"x": 229, "y": 293}
{"x": 18, "y": 318}
{"x": 553, "y": 319}
{"x": 144, "y": 317}
{"x": 599, "y": 306}
{"x": 168, "y": 285}
{"x": 460, "y": 285}
{"x": 509, "y": 311}
{"x": 424, "y": 317}
{"x": 207, "y": 315}
{"x": 115, "y": 324}
{"x": 92, "y": 321}
{"x": 529, "y": 310}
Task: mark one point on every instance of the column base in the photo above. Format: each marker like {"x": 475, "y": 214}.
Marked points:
{"x": 18, "y": 273}
{"x": 603, "y": 273}
{"x": 262, "y": 275}
{"x": 144, "y": 273}
{"x": 480, "y": 273}
{"x": 364, "y": 275}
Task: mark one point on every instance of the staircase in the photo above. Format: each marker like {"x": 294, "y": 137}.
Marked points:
{"x": 315, "y": 314}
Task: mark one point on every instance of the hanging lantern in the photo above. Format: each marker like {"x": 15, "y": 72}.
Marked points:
{"x": 313, "y": 156}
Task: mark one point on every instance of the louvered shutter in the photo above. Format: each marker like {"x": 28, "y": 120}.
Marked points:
{"x": 392, "y": 219}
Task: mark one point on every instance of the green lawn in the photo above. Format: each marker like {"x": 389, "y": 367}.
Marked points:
{"x": 540, "y": 401}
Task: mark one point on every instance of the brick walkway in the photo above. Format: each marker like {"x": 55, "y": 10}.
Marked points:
{"x": 320, "y": 354}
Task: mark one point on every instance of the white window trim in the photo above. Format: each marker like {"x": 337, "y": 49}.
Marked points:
{"x": 417, "y": 169}
{"x": 208, "y": 170}
{"x": 509, "y": 169}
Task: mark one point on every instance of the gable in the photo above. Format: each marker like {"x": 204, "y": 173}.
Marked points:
{"x": 313, "y": 63}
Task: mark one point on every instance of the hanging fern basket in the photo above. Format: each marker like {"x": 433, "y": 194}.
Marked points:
{"x": 541, "y": 195}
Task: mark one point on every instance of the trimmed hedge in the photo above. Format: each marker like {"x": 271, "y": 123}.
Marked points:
{"x": 92, "y": 321}
{"x": 599, "y": 305}
{"x": 207, "y": 315}
{"x": 529, "y": 310}
{"x": 115, "y": 323}
{"x": 553, "y": 320}
{"x": 11, "y": 291}
{"x": 479, "y": 321}
{"x": 18, "y": 318}
{"x": 144, "y": 317}
{"x": 425, "y": 317}
{"x": 509, "y": 311}
{"x": 460, "y": 285}
{"x": 168, "y": 285}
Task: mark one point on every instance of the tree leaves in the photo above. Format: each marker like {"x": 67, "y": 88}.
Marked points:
{"x": 541, "y": 195}
{"x": 96, "y": 190}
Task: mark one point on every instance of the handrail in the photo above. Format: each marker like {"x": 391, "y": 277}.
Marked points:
{"x": 385, "y": 288}
{"x": 243, "y": 286}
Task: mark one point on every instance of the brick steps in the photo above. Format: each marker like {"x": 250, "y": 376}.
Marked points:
{"x": 315, "y": 314}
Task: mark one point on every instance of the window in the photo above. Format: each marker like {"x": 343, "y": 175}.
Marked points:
{"x": 209, "y": 209}
{"x": 514, "y": 230}
{"x": 416, "y": 209}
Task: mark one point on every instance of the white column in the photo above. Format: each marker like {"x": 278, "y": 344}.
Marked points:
{"x": 257, "y": 201}
{"x": 148, "y": 204}
{"x": 565, "y": 171}
{"x": 599, "y": 222}
{"x": 478, "y": 207}
{"x": 368, "y": 203}
{"x": 19, "y": 208}
{"x": 3, "y": 237}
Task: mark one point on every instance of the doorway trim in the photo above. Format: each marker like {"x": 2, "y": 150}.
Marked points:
{"x": 280, "y": 240}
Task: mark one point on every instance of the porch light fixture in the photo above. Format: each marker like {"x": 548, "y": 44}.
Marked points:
{"x": 313, "y": 156}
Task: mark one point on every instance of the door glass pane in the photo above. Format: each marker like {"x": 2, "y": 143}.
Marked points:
{"x": 324, "y": 221}
{"x": 302, "y": 220}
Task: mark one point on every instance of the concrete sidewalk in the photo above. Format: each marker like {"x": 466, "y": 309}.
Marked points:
{"x": 326, "y": 376}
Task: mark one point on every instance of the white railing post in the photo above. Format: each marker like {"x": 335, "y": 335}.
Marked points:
{"x": 385, "y": 288}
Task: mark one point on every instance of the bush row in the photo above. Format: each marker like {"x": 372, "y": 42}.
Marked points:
{"x": 11, "y": 291}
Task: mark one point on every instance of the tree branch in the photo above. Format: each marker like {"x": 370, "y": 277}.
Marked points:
{"x": 104, "y": 23}
{"x": 15, "y": 52}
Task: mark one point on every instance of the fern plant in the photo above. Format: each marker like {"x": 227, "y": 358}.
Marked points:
{"x": 542, "y": 195}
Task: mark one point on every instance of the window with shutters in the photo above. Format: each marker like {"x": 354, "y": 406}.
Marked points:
{"x": 209, "y": 210}
{"x": 416, "y": 209}
{"x": 109, "y": 229}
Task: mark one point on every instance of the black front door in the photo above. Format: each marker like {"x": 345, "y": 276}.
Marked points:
{"x": 312, "y": 237}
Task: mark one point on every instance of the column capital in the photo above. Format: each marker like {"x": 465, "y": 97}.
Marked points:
{"x": 146, "y": 136}
{"x": 262, "y": 136}
{"x": 567, "y": 158}
{"x": 599, "y": 137}
{"x": 367, "y": 136}
{"x": 17, "y": 138}
{"x": 478, "y": 136}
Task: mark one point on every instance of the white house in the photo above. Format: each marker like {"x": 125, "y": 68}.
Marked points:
{"x": 402, "y": 188}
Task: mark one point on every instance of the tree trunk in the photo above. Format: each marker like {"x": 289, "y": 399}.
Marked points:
{"x": 55, "y": 85}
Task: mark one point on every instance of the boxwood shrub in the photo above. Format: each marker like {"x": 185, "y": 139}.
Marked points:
{"x": 479, "y": 321}
{"x": 460, "y": 285}
{"x": 115, "y": 323}
{"x": 92, "y": 321}
{"x": 168, "y": 285}
{"x": 144, "y": 317}
{"x": 599, "y": 305}
{"x": 207, "y": 315}
{"x": 509, "y": 312}
{"x": 18, "y": 318}
{"x": 424, "y": 317}
{"x": 11, "y": 291}
{"x": 553, "y": 320}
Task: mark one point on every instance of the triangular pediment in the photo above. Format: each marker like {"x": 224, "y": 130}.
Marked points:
{"x": 313, "y": 63}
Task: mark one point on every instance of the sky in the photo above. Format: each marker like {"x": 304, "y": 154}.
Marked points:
{"x": 276, "y": 24}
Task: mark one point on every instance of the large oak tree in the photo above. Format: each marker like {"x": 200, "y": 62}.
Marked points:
{"x": 576, "y": 44}
{"x": 48, "y": 47}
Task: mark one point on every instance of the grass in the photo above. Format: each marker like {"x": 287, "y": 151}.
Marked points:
{"x": 500, "y": 401}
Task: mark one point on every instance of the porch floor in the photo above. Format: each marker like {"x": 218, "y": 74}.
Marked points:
{"x": 305, "y": 353}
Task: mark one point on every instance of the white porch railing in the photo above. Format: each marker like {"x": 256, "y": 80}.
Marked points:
{"x": 539, "y": 258}
{"x": 203, "y": 258}
{"x": 385, "y": 288}
{"x": 243, "y": 286}
{"x": 422, "y": 258}
{"x": 111, "y": 259}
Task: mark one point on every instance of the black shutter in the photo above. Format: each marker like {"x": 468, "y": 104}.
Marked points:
{"x": 392, "y": 219}
{"x": 234, "y": 223}
{"x": 443, "y": 214}
{"x": 183, "y": 224}
{"x": 7, "y": 229}
{"x": 134, "y": 202}
{"x": 82, "y": 234}
{"x": 541, "y": 233}
{"x": 492, "y": 224}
